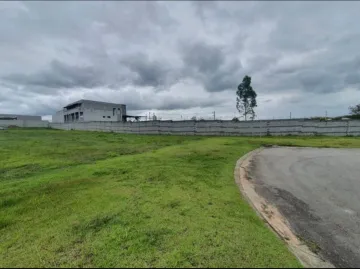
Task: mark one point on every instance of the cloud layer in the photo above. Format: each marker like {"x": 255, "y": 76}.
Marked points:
{"x": 180, "y": 58}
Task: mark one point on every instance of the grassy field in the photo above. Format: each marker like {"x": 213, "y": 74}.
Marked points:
{"x": 88, "y": 199}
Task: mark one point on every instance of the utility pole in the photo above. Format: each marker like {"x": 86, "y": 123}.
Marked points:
{"x": 214, "y": 115}
{"x": 290, "y": 115}
{"x": 326, "y": 114}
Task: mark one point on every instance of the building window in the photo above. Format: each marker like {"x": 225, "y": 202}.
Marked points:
{"x": 114, "y": 109}
{"x": 104, "y": 117}
{"x": 81, "y": 114}
{"x": 109, "y": 117}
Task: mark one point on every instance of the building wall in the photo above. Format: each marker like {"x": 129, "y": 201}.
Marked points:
{"x": 100, "y": 111}
{"x": 222, "y": 128}
{"x": 58, "y": 117}
{"x": 21, "y": 117}
{"x": 24, "y": 123}
{"x": 93, "y": 111}
{"x": 102, "y": 115}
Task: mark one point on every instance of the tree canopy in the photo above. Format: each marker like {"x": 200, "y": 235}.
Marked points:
{"x": 354, "y": 110}
{"x": 246, "y": 99}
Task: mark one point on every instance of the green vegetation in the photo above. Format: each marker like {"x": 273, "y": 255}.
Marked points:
{"x": 246, "y": 99}
{"x": 71, "y": 198}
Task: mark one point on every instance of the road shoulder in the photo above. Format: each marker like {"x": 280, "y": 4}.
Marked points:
{"x": 271, "y": 215}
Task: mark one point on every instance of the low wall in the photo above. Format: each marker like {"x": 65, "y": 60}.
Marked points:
{"x": 24, "y": 123}
{"x": 222, "y": 128}
{"x": 219, "y": 128}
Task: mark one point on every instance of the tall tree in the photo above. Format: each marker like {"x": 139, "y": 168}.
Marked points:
{"x": 246, "y": 98}
{"x": 354, "y": 110}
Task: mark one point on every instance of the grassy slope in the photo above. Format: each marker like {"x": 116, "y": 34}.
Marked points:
{"x": 102, "y": 199}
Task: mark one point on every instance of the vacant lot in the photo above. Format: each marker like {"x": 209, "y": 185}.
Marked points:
{"x": 70, "y": 198}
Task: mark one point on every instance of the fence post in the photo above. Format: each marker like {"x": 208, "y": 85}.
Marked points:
{"x": 267, "y": 128}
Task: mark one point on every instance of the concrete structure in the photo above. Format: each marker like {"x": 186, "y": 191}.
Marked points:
{"x": 19, "y": 117}
{"x": 109, "y": 117}
{"x": 24, "y": 123}
{"x": 87, "y": 111}
{"x": 222, "y": 128}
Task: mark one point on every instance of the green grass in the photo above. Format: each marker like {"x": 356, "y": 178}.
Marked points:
{"x": 88, "y": 199}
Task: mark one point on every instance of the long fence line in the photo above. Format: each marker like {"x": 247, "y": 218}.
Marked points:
{"x": 222, "y": 128}
{"x": 216, "y": 127}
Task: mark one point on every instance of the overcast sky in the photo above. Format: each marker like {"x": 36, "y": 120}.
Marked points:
{"x": 180, "y": 59}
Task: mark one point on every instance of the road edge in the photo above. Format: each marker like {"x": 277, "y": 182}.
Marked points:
{"x": 272, "y": 217}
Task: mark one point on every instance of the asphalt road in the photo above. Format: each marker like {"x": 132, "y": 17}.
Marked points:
{"x": 318, "y": 191}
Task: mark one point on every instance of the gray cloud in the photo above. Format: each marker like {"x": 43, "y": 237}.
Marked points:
{"x": 148, "y": 72}
{"x": 172, "y": 103}
{"x": 318, "y": 81}
{"x": 210, "y": 66}
{"x": 203, "y": 58}
{"x": 136, "y": 70}
{"x": 262, "y": 62}
{"x": 60, "y": 75}
{"x": 352, "y": 78}
{"x": 178, "y": 55}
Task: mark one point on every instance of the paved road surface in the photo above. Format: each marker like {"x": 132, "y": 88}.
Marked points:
{"x": 318, "y": 191}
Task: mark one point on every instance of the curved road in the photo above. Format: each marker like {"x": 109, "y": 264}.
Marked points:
{"x": 318, "y": 191}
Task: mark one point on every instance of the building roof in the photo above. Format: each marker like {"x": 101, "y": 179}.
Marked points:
{"x": 91, "y": 101}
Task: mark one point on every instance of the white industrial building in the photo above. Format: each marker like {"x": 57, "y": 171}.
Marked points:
{"x": 88, "y": 110}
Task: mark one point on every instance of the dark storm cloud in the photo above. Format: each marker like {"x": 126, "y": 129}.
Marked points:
{"x": 60, "y": 75}
{"x": 203, "y": 58}
{"x": 209, "y": 65}
{"x": 221, "y": 81}
{"x": 136, "y": 52}
{"x": 153, "y": 73}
